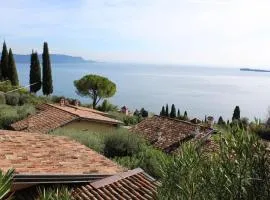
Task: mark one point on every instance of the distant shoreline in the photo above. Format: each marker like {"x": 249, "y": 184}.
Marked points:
{"x": 254, "y": 70}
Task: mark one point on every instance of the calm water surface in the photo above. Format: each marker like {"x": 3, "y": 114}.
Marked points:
{"x": 199, "y": 90}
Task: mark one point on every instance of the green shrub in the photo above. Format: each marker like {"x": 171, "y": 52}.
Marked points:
{"x": 147, "y": 158}
{"x": 11, "y": 114}
{"x": 24, "y": 99}
{"x": 121, "y": 144}
{"x": 93, "y": 140}
{"x": 6, "y": 86}
{"x": 2, "y": 98}
{"x": 239, "y": 170}
{"x": 106, "y": 106}
{"x": 12, "y": 99}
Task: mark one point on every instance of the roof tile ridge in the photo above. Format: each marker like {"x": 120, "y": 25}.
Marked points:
{"x": 183, "y": 121}
{"x": 62, "y": 110}
{"x": 117, "y": 177}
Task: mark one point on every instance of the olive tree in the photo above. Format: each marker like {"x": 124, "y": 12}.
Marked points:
{"x": 96, "y": 87}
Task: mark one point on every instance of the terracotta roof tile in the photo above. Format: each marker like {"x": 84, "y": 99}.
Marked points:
{"x": 134, "y": 184}
{"x": 86, "y": 113}
{"x": 45, "y": 154}
{"x": 52, "y": 116}
{"x": 167, "y": 133}
{"x": 44, "y": 121}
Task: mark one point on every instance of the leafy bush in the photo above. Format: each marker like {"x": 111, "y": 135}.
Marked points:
{"x": 106, "y": 106}
{"x": 263, "y": 132}
{"x": 11, "y": 114}
{"x": 6, "y": 86}
{"x": 2, "y": 98}
{"x": 12, "y": 99}
{"x": 121, "y": 144}
{"x": 239, "y": 170}
{"x": 147, "y": 158}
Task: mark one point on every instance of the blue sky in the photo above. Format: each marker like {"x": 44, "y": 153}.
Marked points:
{"x": 201, "y": 32}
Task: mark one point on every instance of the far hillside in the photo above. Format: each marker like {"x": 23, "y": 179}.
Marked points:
{"x": 55, "y": 58}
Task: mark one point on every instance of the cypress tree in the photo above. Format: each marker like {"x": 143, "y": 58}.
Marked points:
{"x": 173, "y": 112}
{"x": 12, "y": 71}
{"x": 185, "y": 115}
{"x": 4, "y": 63}
{"x": 162, "y": 112}
{"x": 178, "y": 114}
{"x": 236, "y": 113}
{"x": 167, "y": 110}
{"x": 47, "y": 72}
{"x": 221, "y": 122}
{"x": 35, "y": 73}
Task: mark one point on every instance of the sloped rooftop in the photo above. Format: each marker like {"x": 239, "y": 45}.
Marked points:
{"x": 167, "y": 133}
{"x": 133, "y": 184}
{"x": 52, "y": 116}
{"x": 46, "y": 154}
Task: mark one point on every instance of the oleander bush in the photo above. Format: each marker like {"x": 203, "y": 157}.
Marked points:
{"x": 121, "y": 144}
{"x": 239, "y": 170}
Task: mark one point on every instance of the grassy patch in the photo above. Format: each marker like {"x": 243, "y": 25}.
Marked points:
{"x": 11, "y": 114}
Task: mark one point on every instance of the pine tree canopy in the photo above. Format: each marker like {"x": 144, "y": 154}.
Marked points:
{"x": 47, "y": 86}
{"x": 96, "y": 87}
{"x": 12, "y": 70}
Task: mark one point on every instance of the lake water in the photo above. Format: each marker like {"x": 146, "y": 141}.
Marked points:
{"x": 199, "y": 90}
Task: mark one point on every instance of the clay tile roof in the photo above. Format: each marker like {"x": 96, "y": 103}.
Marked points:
{"x": 44, "y": 121}
{"x": 86, "y": 113}
{"x": 46, "y": 154}
{"x": 167, "y": 133}
{"x": 51, "y": 116}
{"x": 134, "y": 184}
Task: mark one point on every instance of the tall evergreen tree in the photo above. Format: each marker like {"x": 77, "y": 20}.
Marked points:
{"x": 173, "y": 111}
{"x": 12, "y": 70}
{"x": 221, "y": 122}
{"x": 4, "y": 63}
{"x": 35, "y": 73}
{"x": 236, "y": 113}
{"x": 162, "y": 112}
{"x": 185, "y": 116}
{"x": 47, "y": 86}
{"x": 178, "y": 114}
{"x": 167, "y": 110}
